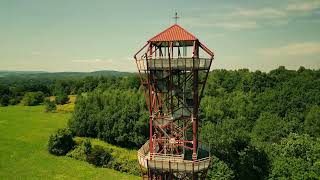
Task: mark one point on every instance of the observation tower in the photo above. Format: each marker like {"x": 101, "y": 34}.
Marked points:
{"x": 173, "y": 67}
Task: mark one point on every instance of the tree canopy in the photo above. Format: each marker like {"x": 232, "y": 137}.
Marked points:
{"x": 259, "y": 125}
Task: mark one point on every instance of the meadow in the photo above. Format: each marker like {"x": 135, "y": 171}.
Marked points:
{"x": 24, "y": 133}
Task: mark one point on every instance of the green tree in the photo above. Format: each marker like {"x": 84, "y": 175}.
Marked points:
{"x": 296, "y": 157}
{"x": 62, "y": 98}
{"x": 116, "y": 116}
{"x": 4, "y": 95}
{"x": 269, "y": 128}
{"x": 312, "y": 122}
{"x": 33, "y": 98}
{"x": 219, "y": 170}
{"x": 230, "y": 143}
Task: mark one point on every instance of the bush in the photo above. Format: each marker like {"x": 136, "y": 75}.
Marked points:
{"x": 33, "y": 98}
{"x": 87, "y": 146}
{"x": 50, "y": 106}
{"x": 78, "y": 153}
{"x": 62, "y": 98}
{"x": 99, "y": 156}
{"x": 66, "y": 108}
{"x": 15, "y": 100}
{"x": 109, "y": 156}
{"x": 61, "y": 142}
{"x": 81, "y": 151}
{"x": 4, "y": 100}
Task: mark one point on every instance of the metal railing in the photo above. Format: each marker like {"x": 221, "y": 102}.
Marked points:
{"x": 175, "y": 63}
{"x": 170, "y": 162}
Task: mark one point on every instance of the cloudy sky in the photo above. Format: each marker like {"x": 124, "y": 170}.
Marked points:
{"x": 83, "y": 35}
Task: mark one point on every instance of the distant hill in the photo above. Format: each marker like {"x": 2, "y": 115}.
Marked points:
{"x": 43, "y": 74}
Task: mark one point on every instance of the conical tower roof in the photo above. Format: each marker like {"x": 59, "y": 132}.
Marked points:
{"x": 174, "y": 33}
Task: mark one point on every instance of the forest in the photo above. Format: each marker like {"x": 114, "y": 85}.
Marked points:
{"x": 259, "y": 125}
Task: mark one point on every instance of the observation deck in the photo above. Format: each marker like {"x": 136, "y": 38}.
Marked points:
{"x": 174, "y": 64}
{"x": 170, "y": 162}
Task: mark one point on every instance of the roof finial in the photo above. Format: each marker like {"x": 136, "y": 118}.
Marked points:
{"x": 176, "y": 17}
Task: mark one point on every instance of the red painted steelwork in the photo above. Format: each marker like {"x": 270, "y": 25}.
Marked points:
{"x": 173, "y": 87}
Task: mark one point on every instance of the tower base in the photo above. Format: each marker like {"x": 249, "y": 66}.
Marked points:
{"x": 153, "y": 174}
{"x": 165, "y": 166}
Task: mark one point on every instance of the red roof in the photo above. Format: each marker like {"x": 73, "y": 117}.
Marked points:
{"x": 174, "y": 33}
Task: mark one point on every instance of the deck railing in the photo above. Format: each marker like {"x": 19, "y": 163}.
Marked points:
{"x": 175, "y": 63}
{"x": 170, "y": 162}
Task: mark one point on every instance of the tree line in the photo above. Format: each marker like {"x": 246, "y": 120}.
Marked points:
{"x": 14, "y": 89}
{"x": 260, "y": 125}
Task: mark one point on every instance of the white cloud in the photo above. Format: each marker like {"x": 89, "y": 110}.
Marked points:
{"x": 222, "y": 23}
{"x": 86, "y": 60}
{"x": 260, "y": 13}
{"x": 295, "y": 49}
{"x": 252, "y": 18}
{"x": 237, "y": 25}
{"x": 304, "y": 6}
{"x": 215, "y": 35}
{"x": 35, "y": 53}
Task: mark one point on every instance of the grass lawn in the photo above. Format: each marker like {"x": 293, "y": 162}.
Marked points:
{"x": 24, "y": 133}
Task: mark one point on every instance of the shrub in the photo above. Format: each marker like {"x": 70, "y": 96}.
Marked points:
{"x": 15, "y": 100}
{"x": 33, "y": 98}
{"x": 4, "y": 100}
{"x": 87, "y": 146}
{"x": 50, "y": 106}
{"x": 99, "y": 156}
{"x": 109, "y": 156}
{"x": 81, "y": 151}
{"x": 66, "y": 108}
{"x": 122, "y": 159}
{"x": 60, "y": 142}
{"x": 62, "y": 98}
{"x": 78, "y": 153}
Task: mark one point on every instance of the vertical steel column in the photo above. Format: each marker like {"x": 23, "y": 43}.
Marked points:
{"x": 195, "y": 103}
{"x": 170, "y": 55}
{"x": 150, "y": 104}
{"x": 195, "y": 114}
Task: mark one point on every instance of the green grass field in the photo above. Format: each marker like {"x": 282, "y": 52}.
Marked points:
{"x": 24, "y": 132}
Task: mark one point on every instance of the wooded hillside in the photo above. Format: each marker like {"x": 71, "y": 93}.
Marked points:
{"x": 259, "y": 125}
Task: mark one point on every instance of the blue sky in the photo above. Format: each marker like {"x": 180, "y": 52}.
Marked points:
{"x": 82, "y": 35}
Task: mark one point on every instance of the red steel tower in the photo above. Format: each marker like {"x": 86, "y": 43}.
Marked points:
{"x": 173, "y": 67}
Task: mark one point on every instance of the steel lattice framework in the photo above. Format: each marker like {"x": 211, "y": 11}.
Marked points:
{"x": 173, "y": 68}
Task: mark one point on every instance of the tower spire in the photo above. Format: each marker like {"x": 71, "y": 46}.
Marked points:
{"x": 176, "y": 17}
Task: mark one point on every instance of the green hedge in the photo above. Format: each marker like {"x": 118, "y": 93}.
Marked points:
{"x": 102, "y": 154}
